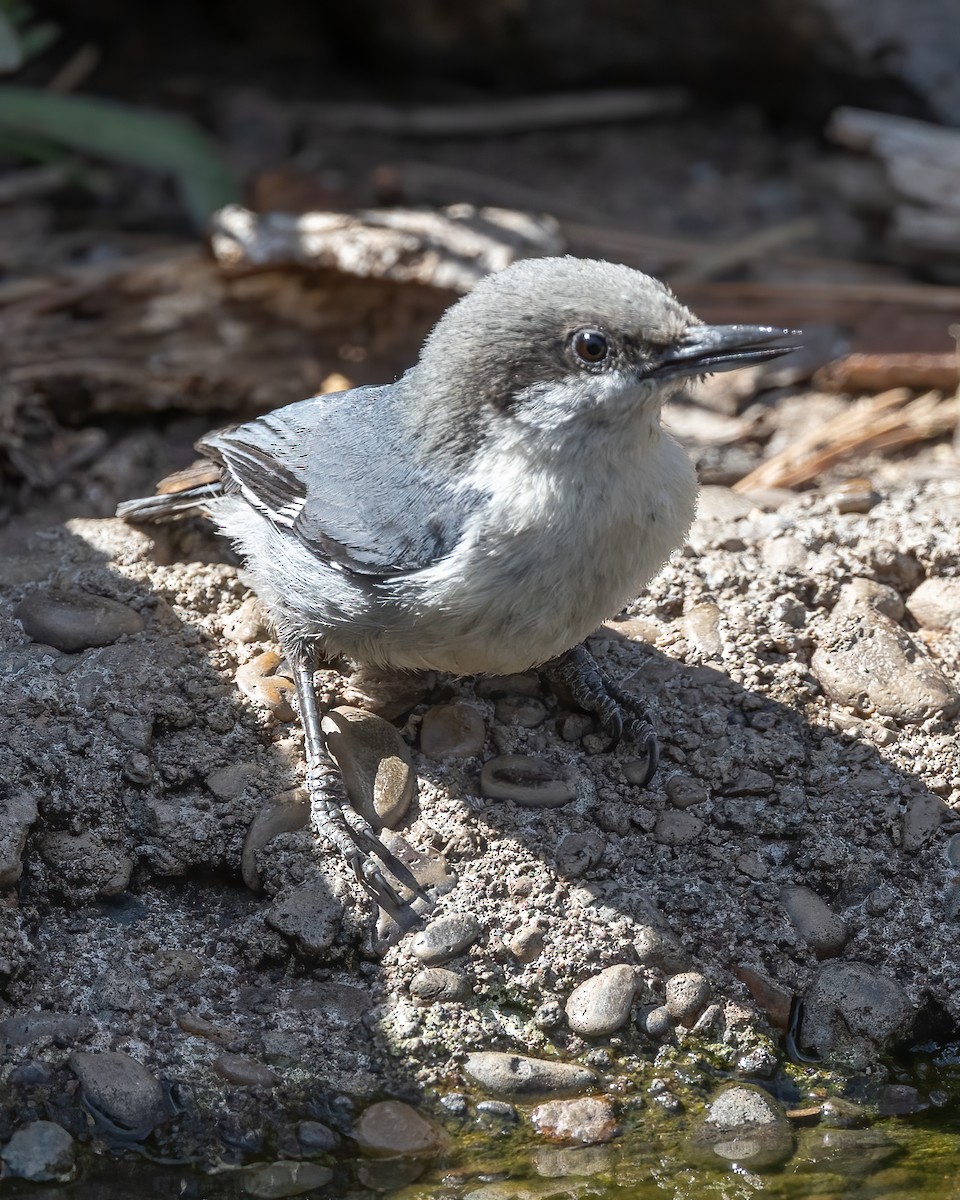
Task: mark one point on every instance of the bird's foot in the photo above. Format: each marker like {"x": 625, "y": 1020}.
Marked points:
{"x": 617, "y": 711}
{"x": 356, "y": 842}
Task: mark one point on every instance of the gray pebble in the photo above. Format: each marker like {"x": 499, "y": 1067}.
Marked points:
{"x": 854, "y": 1010}
{"x": 531, "y": 782}
{"x": 601, "y": 1004}
{"x": 921, "y": 820}
{"x": 746, "y": 1126}
{"x": 42, "y": 1152}
{"x": 751, "y": 782}
{"x": 521, "y": 1075}
{"x": 275, "y": 1181}
{"x": 686, "y": 996}
{"x": 684, "y": 792}
{"x": 528, "y": 712}
{"x": 445, "y": 938}
{"x": 435, "y": 985}
{"x": 120, "y": 1089}
{"x": 310, "y": 915}
{"x": 247, "y": 1072}
{"x": 578, "y": 852}
{"x": 317, "y": 1138}
{"x": 660, "y": 949}
{"x": 497, "y": 1113}
{"x": 18, "y": 811}
{"x": 862, "y": 593}
{"x": 953, "y": 850}
{"x": 936, "y": 603}
{"x": 575, "y": 725}
{"x": 867, "y": 662}
{"x": 589, "y": 1121}
{"x": 823, "y": 931}
{"x": 392, "y": 1128}
{"x": 231, "y": 781}
{"x": 31, "y": 1027}
{"x": 526, "y": 945}
{"x": 656, "y": 1022}
{"x": 840, "y": 1113}
{"x": 452, "y": 731}
{"x": 677, "y": 828}
{"x": 375, "y": 763}
{"x": 76, "y": 620}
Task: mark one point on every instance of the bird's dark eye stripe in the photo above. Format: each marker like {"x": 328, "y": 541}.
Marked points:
{"x": 591, "y": 346}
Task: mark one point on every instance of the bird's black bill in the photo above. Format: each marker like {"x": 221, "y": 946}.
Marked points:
{"x": 708, "y": 348}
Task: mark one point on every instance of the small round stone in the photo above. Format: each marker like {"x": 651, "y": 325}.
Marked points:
{"x": 527, "y": 712}
{"x": 656, "y": 1023}
{"x": 578, "y": 852}
{"x": 375, "y": 763}
{"x": 589, "y": 1121}
{"x": 526, "y": 945}
{"x": 445, "y": 938}
{"x": 685, "y": 792}
{"x": 601, "y": 1004}
{"x": 246, "y": 1072}
{"x": 686, "y": 996}
{"x": 435, "y": 985}
{"x": 823, "y": 931}
{"x": 276, "y": 1181}
{"x": 75, "y": 620}
{"x": 660, "y": 949}
{"x": 739, "y": 1105}
{"x": 259, "y": 682}
{"x": 310, "y": 915}
{"x": 42, "y": 1152}
{"x": 677, "y": 828}
{"x": 121, "y": 1089}
{"x": 936, "y": 603}
{"x": 520, "y": 1075}
{"x": 391, "y": 1128}
{"x": 452, "y": 731}
{"x": 527, "y": 781}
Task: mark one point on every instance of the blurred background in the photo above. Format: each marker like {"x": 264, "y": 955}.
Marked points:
{"x": 208, "y": 210}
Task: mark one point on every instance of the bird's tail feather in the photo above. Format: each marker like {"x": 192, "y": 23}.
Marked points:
{"x": 170, "y": 506}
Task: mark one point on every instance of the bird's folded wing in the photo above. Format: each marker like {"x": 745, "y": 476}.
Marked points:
{"x": 337, "y": 472}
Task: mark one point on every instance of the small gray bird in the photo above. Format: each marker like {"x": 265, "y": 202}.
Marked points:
{"x": 484, "y": 513}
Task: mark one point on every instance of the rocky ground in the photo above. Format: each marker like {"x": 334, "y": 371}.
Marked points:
{"x": 185, "y": 968}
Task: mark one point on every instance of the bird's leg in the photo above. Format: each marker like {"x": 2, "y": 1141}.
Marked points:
{"x": 331, "y": 814}
{"x": 617, "y": 710}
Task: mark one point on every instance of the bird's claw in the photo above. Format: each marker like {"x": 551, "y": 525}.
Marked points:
{"x": 617, "y": 711}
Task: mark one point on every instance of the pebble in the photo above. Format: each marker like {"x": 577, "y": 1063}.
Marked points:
{"x": 953, "y": 850}
{"x": 840, "y": 1113}
{"x": 392, "y": 1129}
{"x": 274, "y": 1181}
{"x": 521, "y": 1075}
{"x": 286, "y": 812}
{"x": 526, "y": 945}
{"x": 452, "y": 731}
{"x": 375, "y": 763}
{"x": 823, "y": 931}
{"x": 677, "y": 828}
{"x": 702, "y": 628}
{"x": 936, "y": 604}
{"x": 494, "y": 687}
{"x": 660, "y": 949}
{"x": 867, "y": 662}
{"x": 310, "y": 915}
{"x": 746, "y": 1126}
{"x": 578, "y": 852}
{"x": 198, "y": 1026}
{"x": 435, "y": 985}
{"x": 684, "y": 792}
{"x": 922, "y": 818}
{"x": 751, "y": 782}
{"x": 248, "y": 623}
{"x": 589, "y": 1121}
{"x": 656, "y": 1022}
{"x": 854, "y": 496}
{"x": 861, "y": 593}
{"x": 31, "y": 1027}
{"x": 527, "y": 712}
{"x": 496, "y": 1114}
{"x": 900, "y": 1100}
{"x": 317, "y": 1138}
{"x": 445, "y": 938}
{"x": 231, "y": 781}
{"x": 601, "y": 1004}
{"x": 18, "y": 811}
{"x": 574, "y": 725}
{"x": 247, "y": 1072}
{"x": 89, "y": 856}
{"x": 854, "y": 1010}
{"x": 772, "y": 997}
{"x": 75, "y": 620}
{"x": 259, "y": 682}
{"x": 121, "y": 1090}
{"x": 40, "y": 1151}
{"x": 686, "y": 996}
{"x": 531, "y": 782}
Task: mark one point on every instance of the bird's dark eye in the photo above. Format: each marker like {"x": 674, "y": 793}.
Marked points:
{"x": 591, "y": 346}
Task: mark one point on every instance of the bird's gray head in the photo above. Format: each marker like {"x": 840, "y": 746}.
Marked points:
{"x": 555, "y": 344}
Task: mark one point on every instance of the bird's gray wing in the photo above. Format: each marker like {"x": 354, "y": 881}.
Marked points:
{"x": 337, "y": 472}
